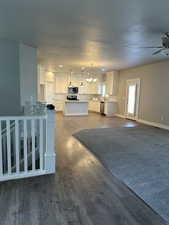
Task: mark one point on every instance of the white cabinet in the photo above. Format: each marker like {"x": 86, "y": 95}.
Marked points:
{"x": 94, "y": 106}
{"x": 61, "y": 84}
{"x": 76, "y": 108}
{"x": 110, "y": 108}
{"x": 62, "y": 81}
{"x": 93, "y": 88}
{"x": 112, "y": 80}
{"x": 58, "y": 106}
{"x": 41, "y": 75}
{"x": 50, "y": 91}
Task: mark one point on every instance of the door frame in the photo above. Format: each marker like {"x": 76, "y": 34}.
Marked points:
{"x": 137, "y": 81}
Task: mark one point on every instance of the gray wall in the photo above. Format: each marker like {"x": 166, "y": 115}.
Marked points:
{"x": 154, "y": 92}
{"x": 9, "y": 78}
{"x": 28, "y": 73}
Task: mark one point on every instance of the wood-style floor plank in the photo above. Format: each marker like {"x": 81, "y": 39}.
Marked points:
{"x": 82, "y": 192}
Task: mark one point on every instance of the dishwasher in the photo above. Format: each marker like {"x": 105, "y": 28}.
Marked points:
{"x": 102, "y": 108}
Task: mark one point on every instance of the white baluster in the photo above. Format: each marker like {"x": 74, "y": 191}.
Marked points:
{"x": 41, "y": 143}
{"x": 25, "y": 147}
{"x": 1, "y": 163}
{"x": 8, "y": 146}
{"x": 17, "y": 145}
{"x": 33, "y": 143}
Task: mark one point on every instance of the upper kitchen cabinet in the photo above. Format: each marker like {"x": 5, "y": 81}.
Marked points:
{"x": 61, "y": 83}
{"x": 93, "y": 88}
{"x": 63, "y": 80}
{"x": 112, "y": 80}
{"x": 50, "y": 77}
{"x": 41, "y": 75}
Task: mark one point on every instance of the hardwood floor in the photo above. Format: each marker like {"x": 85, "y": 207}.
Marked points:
{"x": 82, "y": 192}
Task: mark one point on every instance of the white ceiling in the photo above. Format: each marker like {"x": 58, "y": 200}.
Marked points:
{"x": 75, "y": 33}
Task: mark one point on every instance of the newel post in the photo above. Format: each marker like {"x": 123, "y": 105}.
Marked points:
{"x": 50, "y": 155}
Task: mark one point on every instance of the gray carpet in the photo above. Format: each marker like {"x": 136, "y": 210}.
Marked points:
{"x": 138, "y": 156}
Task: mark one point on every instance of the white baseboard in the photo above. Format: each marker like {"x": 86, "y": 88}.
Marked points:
{"x": 159, "y": 125}
{"x": 153, "y": 124}
{"x": 120, "y": 115}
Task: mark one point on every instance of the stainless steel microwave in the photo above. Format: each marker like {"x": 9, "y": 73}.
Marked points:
{"x": 73, "y": 90}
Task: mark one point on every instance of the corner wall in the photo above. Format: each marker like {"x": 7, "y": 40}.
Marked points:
{"x": 154, "y": 91}
{"x": 28, "y": 73}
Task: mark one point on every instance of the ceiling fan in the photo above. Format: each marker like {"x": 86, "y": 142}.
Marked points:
{"x": 164, "y": 45}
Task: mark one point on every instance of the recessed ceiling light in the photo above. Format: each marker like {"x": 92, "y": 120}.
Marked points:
{"x": 60, "y": 66}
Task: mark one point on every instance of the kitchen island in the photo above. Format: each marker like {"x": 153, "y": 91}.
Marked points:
{"x": 76, "y": 108}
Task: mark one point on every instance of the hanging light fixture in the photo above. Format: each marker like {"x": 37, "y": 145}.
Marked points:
{"x": 70, "y": 82}
{"x": 82, "y": 71}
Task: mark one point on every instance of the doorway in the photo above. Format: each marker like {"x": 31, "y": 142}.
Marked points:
{"x": 132, "y": 99}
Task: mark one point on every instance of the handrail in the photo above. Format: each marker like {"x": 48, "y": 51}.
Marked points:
{"x": 22, "y": 117}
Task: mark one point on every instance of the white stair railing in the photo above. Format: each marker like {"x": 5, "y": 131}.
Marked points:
{"x": 27, "y": 146}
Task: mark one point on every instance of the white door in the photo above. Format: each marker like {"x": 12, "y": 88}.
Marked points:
{"x": 132, "y": 98}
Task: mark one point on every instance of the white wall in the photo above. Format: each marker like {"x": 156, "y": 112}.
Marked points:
{"x": 28, "y": 73}
{"x": 9, "y": 78}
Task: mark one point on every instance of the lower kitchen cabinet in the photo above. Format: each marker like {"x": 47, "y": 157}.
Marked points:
{"x": 58, "y": 106}
{"x": 94, "y": 106}
{"x": 110, "y": 108}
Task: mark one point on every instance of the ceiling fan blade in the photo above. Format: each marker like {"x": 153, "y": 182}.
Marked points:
{"x": 135, "y": 46}
{"x": 157, "y": 52}
{"x": 152, "y": 47}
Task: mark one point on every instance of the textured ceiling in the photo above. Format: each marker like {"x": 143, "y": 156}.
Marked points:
{"x": 75, "y": 33}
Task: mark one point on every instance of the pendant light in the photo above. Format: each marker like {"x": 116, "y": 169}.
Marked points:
{"x": 70, "y": 83}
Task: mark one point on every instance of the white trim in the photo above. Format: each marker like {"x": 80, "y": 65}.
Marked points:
{"x": 159, "y": 125}
{"x": 120, "y": 115}
{"x": 23, "y": 175}
{"x": 153, "y": 124}
{"x": 22, "y": 117}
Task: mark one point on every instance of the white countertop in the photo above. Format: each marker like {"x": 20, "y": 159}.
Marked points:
{"x": 76, "y": 101}
{"x": 106, "y": 101}
{"x": 113, "y": 101}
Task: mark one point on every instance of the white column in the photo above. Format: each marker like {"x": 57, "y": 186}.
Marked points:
{"x": 50, "y": 155}
{"x": 28, "y": 73}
